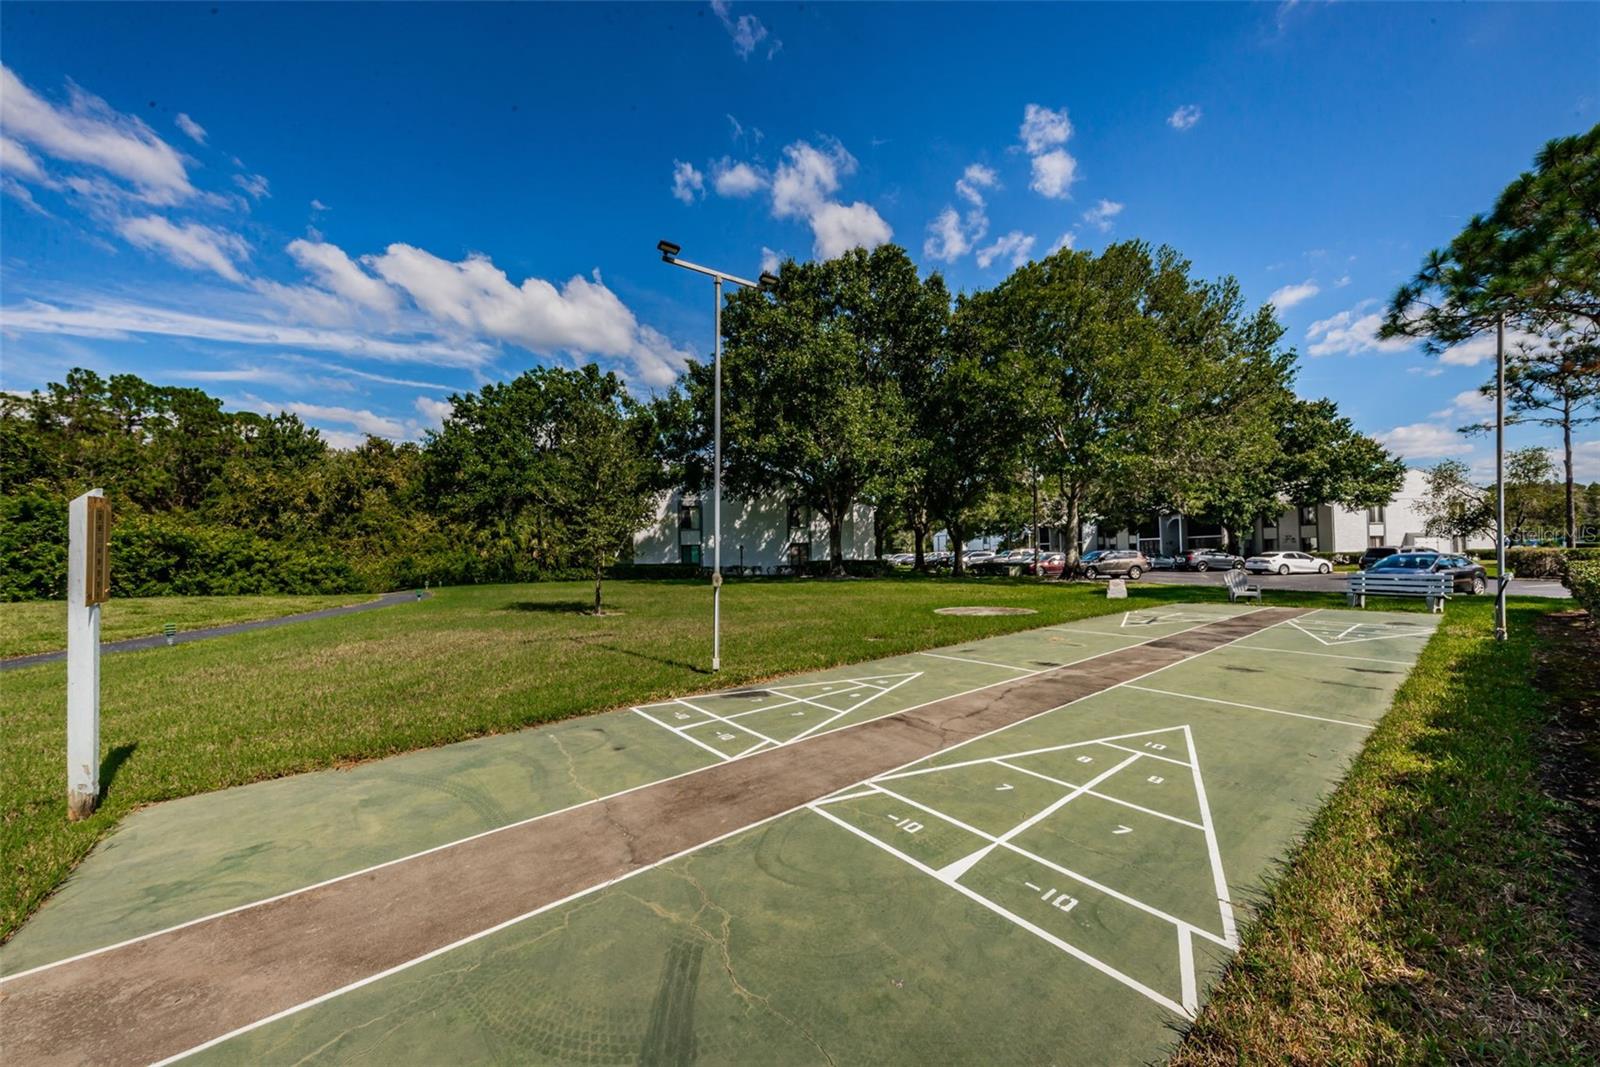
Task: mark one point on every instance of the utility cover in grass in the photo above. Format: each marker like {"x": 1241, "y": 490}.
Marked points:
{"x": 984, "y": 611}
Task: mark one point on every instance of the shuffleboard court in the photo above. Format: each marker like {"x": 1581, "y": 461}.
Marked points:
{"x": 1030, "y": 848}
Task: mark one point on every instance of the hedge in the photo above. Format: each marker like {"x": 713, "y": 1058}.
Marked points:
{"x": 1583, "y": 578}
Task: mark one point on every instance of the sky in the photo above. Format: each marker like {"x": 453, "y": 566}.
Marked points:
{"x": 352, "y": 212}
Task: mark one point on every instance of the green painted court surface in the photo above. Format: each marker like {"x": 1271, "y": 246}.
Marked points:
{"x": 1060, "y": 891}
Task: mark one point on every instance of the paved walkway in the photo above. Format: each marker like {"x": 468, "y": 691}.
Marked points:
{"x": 133, "y": 644}
{"x": 197, "y": 983}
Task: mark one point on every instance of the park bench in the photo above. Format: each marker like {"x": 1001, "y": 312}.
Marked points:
{"x": 1239, "y": 587}
{"x": 1434, "y": 587}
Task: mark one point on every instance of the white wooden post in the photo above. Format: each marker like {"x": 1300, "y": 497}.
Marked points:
{"x": 85, "y": 590}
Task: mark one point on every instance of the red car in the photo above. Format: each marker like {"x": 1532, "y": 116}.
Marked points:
{"x": 1051, "y": 563}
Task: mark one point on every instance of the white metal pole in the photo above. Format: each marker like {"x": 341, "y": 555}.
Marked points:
{"x": 83, "y": 667}
{"x": 716, "y": 497}
{"x": 1500, "y": 477}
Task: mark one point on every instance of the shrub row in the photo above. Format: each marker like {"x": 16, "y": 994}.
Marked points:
{"x": 1583, "y": 578}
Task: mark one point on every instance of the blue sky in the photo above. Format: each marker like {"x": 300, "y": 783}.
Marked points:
{"x": 351, "y": 211}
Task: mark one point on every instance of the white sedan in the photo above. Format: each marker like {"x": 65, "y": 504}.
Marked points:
{"x": 1287, "y": 563}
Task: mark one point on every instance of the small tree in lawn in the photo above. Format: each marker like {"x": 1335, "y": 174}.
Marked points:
{"x": 1452, "y": 505}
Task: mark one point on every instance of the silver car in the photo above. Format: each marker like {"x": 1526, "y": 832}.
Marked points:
{"x": 1287, "y": 563}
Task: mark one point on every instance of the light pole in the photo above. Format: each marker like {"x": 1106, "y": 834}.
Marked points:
{"x": 669, "y": 254}
{"x": 1500, "y": 477}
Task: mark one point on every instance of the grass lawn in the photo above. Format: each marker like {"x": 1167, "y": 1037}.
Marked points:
{"x": 1425, "y": 917}
{"x": 41, "y": 625}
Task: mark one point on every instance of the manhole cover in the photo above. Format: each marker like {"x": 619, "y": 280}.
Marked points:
{"x": 984, "y": 611}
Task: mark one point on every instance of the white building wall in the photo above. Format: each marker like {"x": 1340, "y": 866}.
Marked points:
{"x": 755, "y": 533}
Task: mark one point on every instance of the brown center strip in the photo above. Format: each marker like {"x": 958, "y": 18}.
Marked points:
{"x": 155, "y": 998}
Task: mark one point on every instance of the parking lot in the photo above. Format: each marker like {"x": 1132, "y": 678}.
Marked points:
{"x": 1336, "y": 582}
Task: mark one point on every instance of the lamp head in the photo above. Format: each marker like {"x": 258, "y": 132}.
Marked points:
{"x": 668, "y": 250}
{"x": 768, "y": 280}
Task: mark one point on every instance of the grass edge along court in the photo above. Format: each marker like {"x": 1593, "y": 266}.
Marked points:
{"x": 1339, "y": 682}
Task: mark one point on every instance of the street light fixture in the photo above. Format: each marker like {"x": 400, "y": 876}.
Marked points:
{"x": 669, "y": 254}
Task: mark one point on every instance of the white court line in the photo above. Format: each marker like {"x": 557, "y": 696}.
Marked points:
{"x": 1102, "y": 633}
{"x": 1252, "y": 707}
{"x": 1353, "y": 640}
{"x": 1019, "y": 755}
{"x": 1191, "y": 995}
{"x": 397, "y": 968}
{"x": 558, "y": 811}
{"x": 1324, "y": 655}
{"x": 1152, "y": 755}
{"x": 736, "y": 726}
{"x": 808, "y": 731}
{"x": 1224, "y": 902}
{"x": 651, "y": 718}
{"x": 981, "y": 662}
{"x": 1076, "y": 953}
{"x": 1105, "y": 796}
{"x": 1005, "y": 843}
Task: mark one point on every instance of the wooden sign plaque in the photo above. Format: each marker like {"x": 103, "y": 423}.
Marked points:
{"x": 97, "y": 571}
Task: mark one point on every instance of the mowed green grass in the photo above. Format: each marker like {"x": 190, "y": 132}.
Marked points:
{"x": 468, "y": 661}
{"x": 41, "y": 625}
{"x": 1425, "y": 917}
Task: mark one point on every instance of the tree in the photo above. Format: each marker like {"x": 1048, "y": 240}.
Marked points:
{"x": 1534, "y": 263}
{"x": 1452, "y": 505}
{"x": 1528, "y": 476}
{"x": 1142, "y": 389}
{"x": 559, "y": 462}
{"x": 811, "y": 401}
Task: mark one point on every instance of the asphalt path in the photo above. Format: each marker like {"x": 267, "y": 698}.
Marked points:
{"x": 1335, "y": 582}
{"x": 133, "y": 644}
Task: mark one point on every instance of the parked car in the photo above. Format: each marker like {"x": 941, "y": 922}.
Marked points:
{"x": 1287, "y": 563}
{"x": 1374, "y": 554}
{"x": 1051, "y": 563}
{"x": 1469, "y": 576}
{"x": 1115, "y": 563}
{"x": 978, "y": 555}
{"x": 1208, "y": 559}
{"x": 1163, "y": 562}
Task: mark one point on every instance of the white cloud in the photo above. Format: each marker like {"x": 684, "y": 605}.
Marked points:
{"x": 973, "y": 181}
{"x": 1043, "y": 132}
{"x": 1015, "y": 244}
{"x": 190, "y": 245}
{"x": 1585, "y": 461}
{"x": 840, "y": 227}
{"x": 1342, "y": 282}
{"x": 17, "y": 162}
{"x": 433, "y": 412}
{"x": 736, "y": 179}
{"x": 1053, "y": 174}
{"x": 1101, "y": 215}
{"x": 770, "y": 260}
{"x": 1185, "y": 117}
{"x": 1424, "y": 440}
{"x": 1288, "y": 296}
{"x": 367, "y": 422}
{"x": 746, "y": 31}
{"x": 803, "y": 188}
{"x": 1481, "y": 348}
{"x": 195, "y": 131}
{"x": 950, "y": 236}
{"x": 318, "y": 205}
{"x": 116, "y": 320}
{"x": 1352, "y": 332}
{"x": 1043, "y": 128}
{"x": 89, "y": 132}
{"x": 687, "y": 183}
{"x": 339, "y": 273}
{"x": 254, "y": 184}
{"x": 582, "y": 316}
{"x": 947, "y": 237}
{"x": 1066, "y": 240}
{"x": 1469, "y": 403}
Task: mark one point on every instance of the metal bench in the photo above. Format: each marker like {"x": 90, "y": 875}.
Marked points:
{"x": 1239, "y": 587}
{"x": 1434, "y": 587}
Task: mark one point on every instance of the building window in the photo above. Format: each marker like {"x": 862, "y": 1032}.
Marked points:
{"x": 1375, "y": 514}
{"x": 800, "y": 554}
{"x": 689, "y": 554}
{"x": 1374, "y": 542}
{"x": 1309, "y": 544}
{"x": 797, "y": 517}
{"x": 1269, "y": 538}
{"x": 1308, "y": 516}
{"x": 688, "y": 518}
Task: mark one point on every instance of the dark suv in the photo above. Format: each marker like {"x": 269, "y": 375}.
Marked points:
{"x": 1208, "y": 559}
{"x": 1374, "y": 554}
